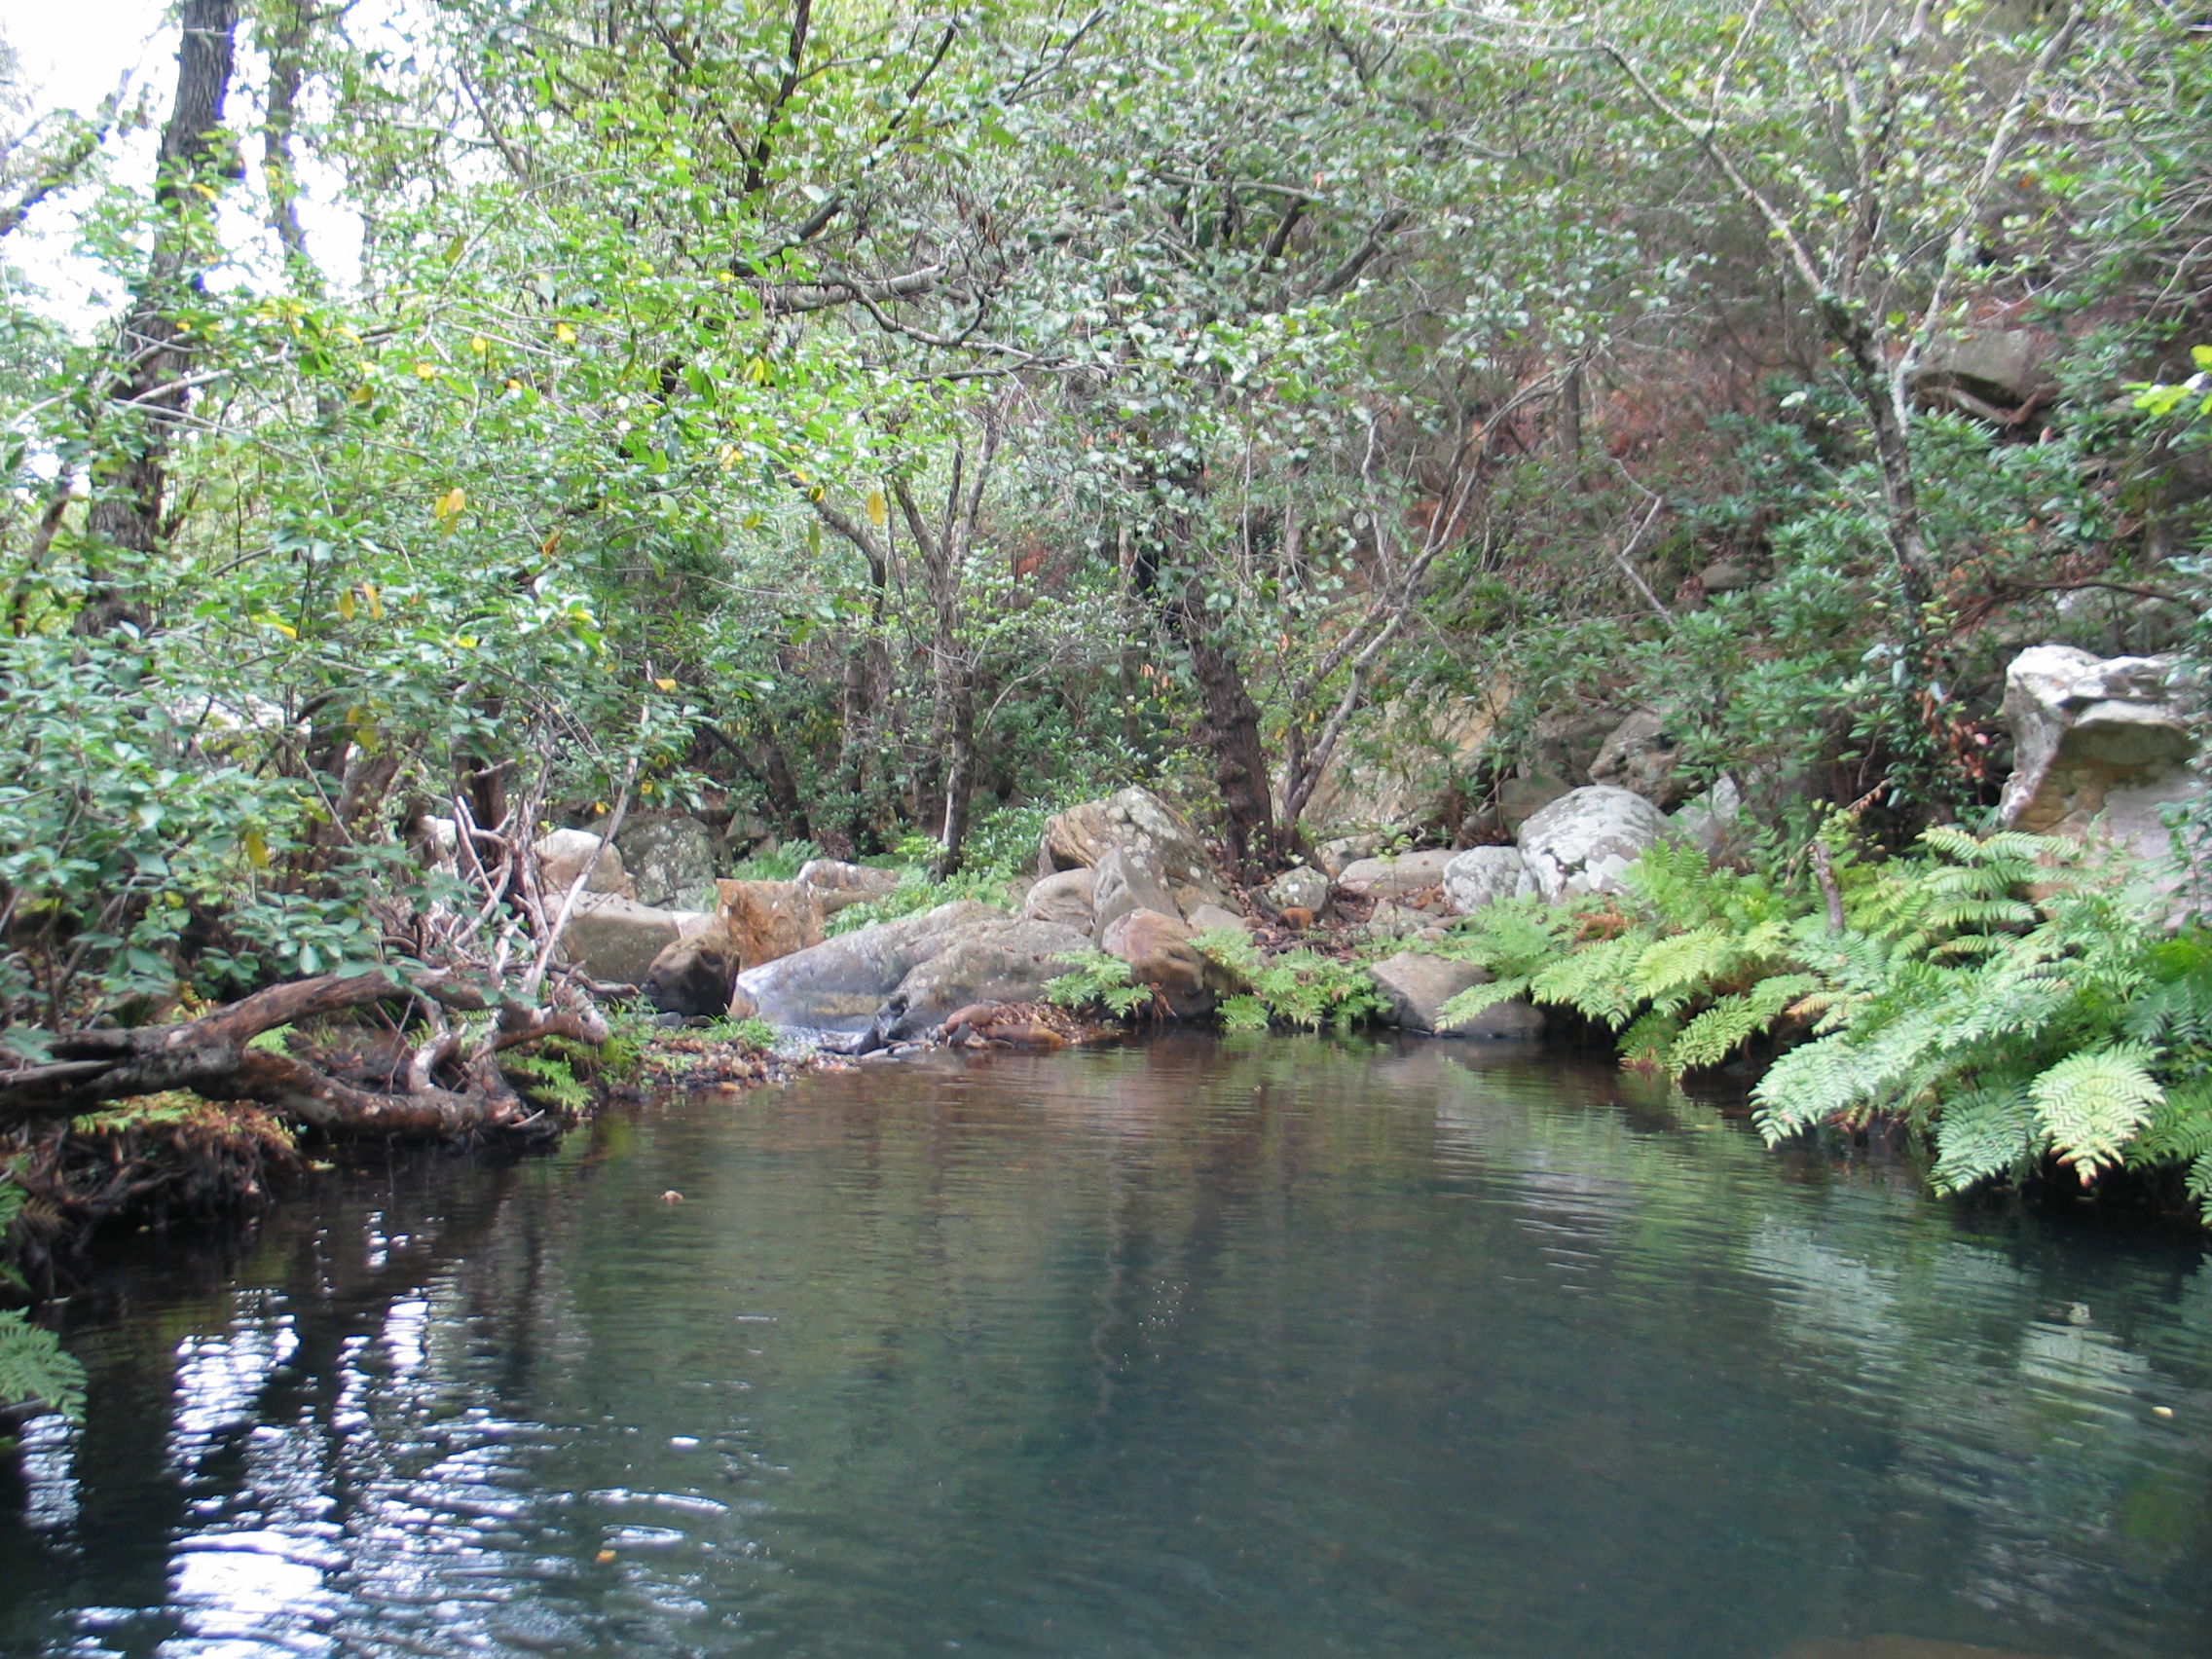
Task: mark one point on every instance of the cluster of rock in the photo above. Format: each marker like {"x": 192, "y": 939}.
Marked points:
{"x": 2100, "y": 743}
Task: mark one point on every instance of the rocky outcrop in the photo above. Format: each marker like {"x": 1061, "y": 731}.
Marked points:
{"x": 1126, "y": 879}
{"x": 1298, "y": 889}
{"x": 1641, "y": 754}
{"x": 1584, "y": 840}
{"x": 843, "y": 983}
{"x": 1992, "y": 372}
{"x": 1418, "y": 985}
{"x": 669, "y": 856}
{"x": 1064, "y": 897}
{"x": 615, "y": 940}
{"x": 1405, "y": 876}
{"x": 768, "y": 920}
{"x": 1158, "y": 948}
{"x": 2100, "y": 745}
{"x": 1483, "y": 875}
{"x": 836, "y": 884}
{"x": 1139, "y": 821}
{"x": 562, "y": 856}
{"x": 1004, "y": 961}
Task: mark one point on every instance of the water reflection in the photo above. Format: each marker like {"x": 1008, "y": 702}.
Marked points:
{"x": 1271, "y": 1348}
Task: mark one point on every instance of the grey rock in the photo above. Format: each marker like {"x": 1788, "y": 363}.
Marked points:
{"x": 1999, "y": 366}
{"x": 1064, "y": 897}
{"x": 615, "y": 940}
{"x": 1135, "y": 820}
{"x": 1418, "y": 985}
{"x": 843, "y": 983}
{"x": 1212, "y": 918}
{"x": 1567, "y": 740}
{"x": 1641, "y": 754}
{"x": 2101, "y": 747}
{"x": 1483, "y": 875}
{"x": 1331, "y": 856}
{"x": 1391, "y": 920}
{"x": 1725, "y": 575}
{"x": 1583, "y": 841}
{"x": 562, "y": 856}
{"x": 1401, "y": 877}
{"x": 1125, "y": 880}
{"x": 1301, "y": 888}
{"x": 836, "y": 884}
{"x": 669, "y": 856}
{"x": 1709, "y": 822}
{"x": 984, "y": 962}
{"x": 1401, "y": 764}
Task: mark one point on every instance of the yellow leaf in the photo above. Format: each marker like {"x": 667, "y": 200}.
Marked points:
{"x": 447, "y": 507}
{"x": 376, "y": 604}
{"x": 466, "y": 641}
{"x": 756, "y": 371}
{"x": 479, "y": 345}
{"x": 546, "y": 546}
{"x": 565, "y": 332}
{"x": 256, "y": 849}
{"x": 425, "y": 371}
{"x": 665, "y": 684}
{"x": 877, "y": 514}
{"x": 345, "y": 604}
{"x": 268, "y": 621}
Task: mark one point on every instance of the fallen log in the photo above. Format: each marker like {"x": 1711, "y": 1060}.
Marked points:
{"x": 450, "y": 1086}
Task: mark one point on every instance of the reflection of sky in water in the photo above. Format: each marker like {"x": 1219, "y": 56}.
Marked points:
{"x": 1006, "y": 1381}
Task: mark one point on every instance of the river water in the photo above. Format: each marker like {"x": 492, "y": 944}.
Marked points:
{"x": 1269, "y": 1348}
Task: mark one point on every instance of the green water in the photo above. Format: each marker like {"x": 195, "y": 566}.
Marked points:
{"x": 1277, "y": 1348}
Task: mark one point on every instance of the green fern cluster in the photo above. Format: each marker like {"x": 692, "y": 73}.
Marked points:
{"x": 546, "y": 1080}
{"x": 1098, "y": 980}
{"x": 1299, "y": 988}
{"x": 1691, "y": 964}
{"x": 34, "y": 1370}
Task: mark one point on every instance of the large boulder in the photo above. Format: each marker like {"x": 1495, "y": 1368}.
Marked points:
{"x": 1064, "y": 897}
{"x": 1418, "y": 985}
{"x": 669, "y": 856}
{"x": 1710, "y": 822}
{"x": 1999, "y": 370}
{"x": 1520, "y": 798}
{"x": 836, "y": 884}
{"x": 1641, "y": 754}
{"x": 694, "y": 975}
{"x": 615, "y": 940}
{"x": 1001, "y": 961}
{"x": 2100, "y": 744}
{"x": 1583, "y": 841}
{"x": 768, "y": 920}
{"x": 1158, "y": 948}
{"x": 1405, "y": 876}
{"x": 1141, "y": 823}
{"x": 1212, "y": 918}
{"x": 1565, "y": 742}
{"x": 1125, "y": 880}
{"x": 563, "y": 854}
{"x": 1483, "y": 875}
{"x": 1298, "y": 889}
{"x": 841, "y": 984}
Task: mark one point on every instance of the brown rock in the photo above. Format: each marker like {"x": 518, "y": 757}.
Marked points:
{"x": 764, "y": 920}
{"x": 1159, "y": 951}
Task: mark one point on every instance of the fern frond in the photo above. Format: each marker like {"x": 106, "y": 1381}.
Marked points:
{"x": 1647, "y": 1042}
{"x": 1983, "y": 1134}
{"x": 2091, "y": 1104}
{"x": 34, "y": 1369}
{"x": 1480, "y": 999}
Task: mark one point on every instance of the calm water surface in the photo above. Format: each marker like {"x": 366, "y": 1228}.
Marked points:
{"x": 1196, "y": 1350}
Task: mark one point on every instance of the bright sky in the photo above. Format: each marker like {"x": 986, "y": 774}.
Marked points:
{"x": 74, "y": 51}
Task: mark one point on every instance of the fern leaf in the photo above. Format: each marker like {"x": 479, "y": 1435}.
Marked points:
{"x": 2091, "y": 1104}
{"x": 1984, "y": 1133}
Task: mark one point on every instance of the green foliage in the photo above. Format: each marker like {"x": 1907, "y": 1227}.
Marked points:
{"x": 547, "y": 1081}
{"x": 34, "y": 1369}
{"x": 1098, "y": 980}
{"x": 1302, "y": 989}
{"x": 753, "y": 1034}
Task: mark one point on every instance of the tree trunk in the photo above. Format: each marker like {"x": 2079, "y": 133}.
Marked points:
{"x": 449, "y": 1088}
{"x": 1229, "y": 726}
{"x": 129, "y": 469}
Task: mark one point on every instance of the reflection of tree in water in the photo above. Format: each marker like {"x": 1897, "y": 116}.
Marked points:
{"x": 1188, "y": 1349}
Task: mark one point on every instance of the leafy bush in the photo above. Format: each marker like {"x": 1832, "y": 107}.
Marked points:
{"x": 1299, "y": 989}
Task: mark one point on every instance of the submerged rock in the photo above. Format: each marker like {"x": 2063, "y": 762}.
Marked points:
{"x": 1418, "y": 985}
{"x": 1583, "y": 841}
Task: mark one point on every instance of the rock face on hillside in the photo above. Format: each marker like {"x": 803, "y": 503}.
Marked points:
{"x": 1583, "y": 841}
{"x": 2101, "y": 747}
